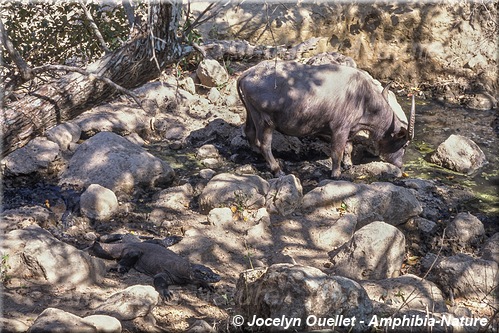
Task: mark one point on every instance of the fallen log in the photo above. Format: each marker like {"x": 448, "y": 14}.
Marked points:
{"x": 133, "y": 64}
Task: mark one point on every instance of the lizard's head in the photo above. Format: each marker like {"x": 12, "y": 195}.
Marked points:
{"x": 204, "y": 274}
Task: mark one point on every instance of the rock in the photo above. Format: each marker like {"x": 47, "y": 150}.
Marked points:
{"x": 378, "y": 170}
{"x": 114, "y": 162}
{"x": 21, "y": 217}
{"x": 463, "y": 275}
{"x": 170, "y": 127}
{"x": 64, "y": 134}
{"x": 242, "y": 191}
{"x": 9, "y": 325}
{"x": 104, "y": 324}
{"x": 35, "y": 253}
{"x": 220, "y": 216}
{"x": 460, "y": 154}
{"x": 481, "y": 101}
{"x": 211, "y": 73}
{"x": 437, "y": 199}
{"x": 211, "y": 163}
{"x": 409, "y": 291}
{"x": 188, "y": 85}
{"x": 135, "y": 139}
{"x": 53, "y": 320}
{"x": 377, "y": 201}
{"x": 375, "y": 252}
{"x": 329, "y": 193}
{"x": 465, "y": 229}
{"x": 176, "y": 198}
{"x": 334, "y": 233}
{"x": 425, "y": 225}
{"x": 98, "y": 202}
{"x": 213, "y": 95}
{"x": 207, "y": 151}
{"x": 117, "y": 118}
{"x": 490, "y": 250}
{"x": 218, "y": 128}
{"x": 284, "y": 196}
{"x": 133, "y": 302}
{"x": 200, "y": 326}
{"x": 37, "y": 155}
{"x": 161, "y": 93}
{"x": 260, "y": 234}
{"x": 300, "y": 292}
{"x": 207, "y": 173}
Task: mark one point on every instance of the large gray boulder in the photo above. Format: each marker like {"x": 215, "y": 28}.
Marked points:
{"x": 118, "y": 118}
{"x": 490, "y": 250}
{"x": 379, "y": 201}
{"x": 460, "y": 154}
{"x": 34, "y": 252}
{"x": 36, "y": 156}
{"x": 375, "y": 252}
{"x": 64, "y": 135}
{"x": 463, "y": 276}
{"x": 408, "y": 292}
{"x": 133, "y": 302}
{"x": 116, "y": 163}
{"x": 329, "y": 232}
{"x": 242, "y": 191}
{"x": 465, "y": 229}
{"x": 57, "y": 320}
{"x": 302, "y": 293}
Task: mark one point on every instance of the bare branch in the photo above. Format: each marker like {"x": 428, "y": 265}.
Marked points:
{"x": 24, "y": 69}
{"x": 130, "y": 14}
{"x": 199, "y": 20}
{"x": 94, "y": 27}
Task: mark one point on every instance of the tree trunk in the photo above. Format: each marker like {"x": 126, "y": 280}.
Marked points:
{"x": 130, "y": 66}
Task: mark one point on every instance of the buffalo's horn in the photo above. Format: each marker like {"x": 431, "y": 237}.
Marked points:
{"x": 384, "y": 93}
{"x": 412, "y": 118}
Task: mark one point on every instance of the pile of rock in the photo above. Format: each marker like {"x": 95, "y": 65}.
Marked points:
{"x": 358, "y": 225}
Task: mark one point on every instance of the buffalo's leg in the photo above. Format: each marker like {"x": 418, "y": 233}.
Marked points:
{"x": 250, "y": 131}
{"x": 265, "y": 136}
{"x": 128, "y": 261}
{"x": 338, "y": 143}
{"x": 347, "y": 155}
{"x": 161, "y": 283}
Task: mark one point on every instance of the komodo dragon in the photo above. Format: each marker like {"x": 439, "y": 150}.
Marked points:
{"x": 165, "y": 266}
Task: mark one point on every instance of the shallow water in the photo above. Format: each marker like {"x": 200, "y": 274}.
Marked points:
{"x": 434, "y": 124}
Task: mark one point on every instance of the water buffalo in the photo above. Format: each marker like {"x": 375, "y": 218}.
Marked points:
{"x": 324, "y": 100}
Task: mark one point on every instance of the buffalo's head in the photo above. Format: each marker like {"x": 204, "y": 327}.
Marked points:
{"x": 392, "y": 146}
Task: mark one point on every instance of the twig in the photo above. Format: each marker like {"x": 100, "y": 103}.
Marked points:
{"x": 406, "y": 300}
{"x": 94, "y": 27}
{"x": 198, "y": 21}
{"x": 152, "y": 39}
